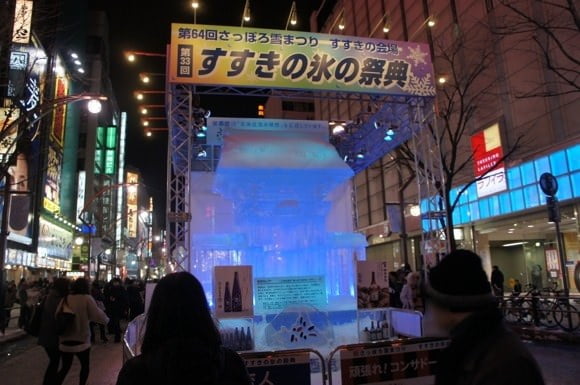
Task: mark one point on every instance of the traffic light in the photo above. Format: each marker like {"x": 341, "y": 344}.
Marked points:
{"x": 261, "y": 111}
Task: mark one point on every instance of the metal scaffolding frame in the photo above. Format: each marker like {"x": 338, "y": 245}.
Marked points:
{"x": 183, "y": 149}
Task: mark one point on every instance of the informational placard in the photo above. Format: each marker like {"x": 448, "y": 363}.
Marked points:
{"x": 254, "y": 57}
{"x": 488, "y": 161}
{"x": 372, "y": 284}
{"x": 232, "y": 291}
{"x": 552, "y": 263}
{"x": 397, "y": 364}
{"x": 275, "y": 294}
{"x": 279, "y": 370}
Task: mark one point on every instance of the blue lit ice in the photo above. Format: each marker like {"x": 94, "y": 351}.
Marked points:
{"x": 281, "y": 202}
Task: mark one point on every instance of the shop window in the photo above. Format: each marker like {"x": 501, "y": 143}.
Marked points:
{"x": 514, "y": 177}
{"x": 542, "y": 165}
{"x": 472, "y": 192}
{"x": 474, "y": 210}
{"x": 453, "y": 193}
{"x": 573, "y": 156}
{"x": 576, "y": 184}
{"x": 494, "y": 205}
{"x": 464, "y": 213}
{"x": 457, "y": 215}
{"x": 531, "y": 197}
{"x": 517, "y": 198}
{"x": 504, "y": 203}
{"x": 463, "y": 199}
{"x": 564, "y": 188}
{"x": 484, "y": 208}
{"x": 528, "y": 173}
{"x": 558, "y": 163}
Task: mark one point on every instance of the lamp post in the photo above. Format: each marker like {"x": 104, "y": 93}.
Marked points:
{"x": 41, "y": 111}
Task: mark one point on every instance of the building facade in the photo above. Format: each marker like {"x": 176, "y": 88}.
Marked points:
{"x": 507, "y": 82}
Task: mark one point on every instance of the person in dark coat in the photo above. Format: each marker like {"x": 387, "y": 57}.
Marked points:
{"x": 184, "y": 349}
{"x": 47, "y": 336}
{"x": 116, "y": 305}
{"x": 99, "y": 298}
{"x": 482, "y": 350}
{"x": 497, "y": 280}
{"x": 23, "y": 301}
{"x": 136, "y": 303}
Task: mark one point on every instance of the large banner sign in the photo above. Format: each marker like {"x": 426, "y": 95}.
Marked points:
{"x": 252, "y": 57}
{"x": 488, "y": 161}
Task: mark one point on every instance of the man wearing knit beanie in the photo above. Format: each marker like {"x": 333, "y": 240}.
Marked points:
{"x": 482, "y": 350}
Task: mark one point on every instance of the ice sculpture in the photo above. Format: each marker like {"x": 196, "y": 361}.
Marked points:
{"x": 279, "y": 201}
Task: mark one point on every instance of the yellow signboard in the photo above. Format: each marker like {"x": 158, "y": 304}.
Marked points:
{"x": 132, "y": 204}
{"x": 253, "y": 57}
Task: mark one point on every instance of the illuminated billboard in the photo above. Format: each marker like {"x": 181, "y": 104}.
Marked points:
{"x": 253, "y": 57}
{"x": 132, "y": 204}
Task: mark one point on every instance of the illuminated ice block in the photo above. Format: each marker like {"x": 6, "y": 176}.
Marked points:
{"x": 280, "y": 201}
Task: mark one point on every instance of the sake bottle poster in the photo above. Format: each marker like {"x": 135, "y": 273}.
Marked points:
{"x": 233, "y": 295}
{"x": 372, "y": 284}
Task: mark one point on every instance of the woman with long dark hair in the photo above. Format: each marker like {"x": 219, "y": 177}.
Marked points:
{"x": 181, "y": 344}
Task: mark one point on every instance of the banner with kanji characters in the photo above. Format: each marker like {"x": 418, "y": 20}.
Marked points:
{"x": 396, "y": 364}
{"x": 488, "y": 161}
{"x": 253, "y": 57}
{"x": 279, "y": 370}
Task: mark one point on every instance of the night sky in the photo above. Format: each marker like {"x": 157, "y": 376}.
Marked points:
{"x": 136, "y": 25}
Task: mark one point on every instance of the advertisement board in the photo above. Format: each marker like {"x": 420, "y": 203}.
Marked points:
{"x": 233, "y": 291}
{"x": 372, "y": 284}
{"x": 396, "y": 364}
{"x": 280, "y": 370}
{"x": 488, "y": 161}
{"x": 55, "y": 240}
{"x": 253, "y": 57}
{"x": 22, "y": 21}
{"x": 132, "y": 205}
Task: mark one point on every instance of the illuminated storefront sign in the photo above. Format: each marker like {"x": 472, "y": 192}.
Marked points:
{"x": 106, "y": 151}
{"x": 132, "y": 204}
{"x": 56, "y": 241}
{"x": 488, "y": 161}
{"x": 252, "y": 57}
{"x": 82, "y": 177}
{"x": 51, "y": 200}
{"x": 22, "y": 21}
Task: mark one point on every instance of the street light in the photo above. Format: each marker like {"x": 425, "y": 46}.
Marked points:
{"x": 94, "y": 106}
{"x": 131, "y": 56}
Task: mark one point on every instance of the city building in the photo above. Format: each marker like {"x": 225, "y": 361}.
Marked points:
{"x": 509, "y": 87}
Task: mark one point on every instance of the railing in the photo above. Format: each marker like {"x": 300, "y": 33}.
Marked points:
{"x": 550, "y": 311}
{"x": 132, "y": 337}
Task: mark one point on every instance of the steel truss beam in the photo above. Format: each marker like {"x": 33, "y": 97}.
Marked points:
{"x": 413, "y": 116}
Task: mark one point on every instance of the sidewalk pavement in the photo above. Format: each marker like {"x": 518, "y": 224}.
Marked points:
{"x": 11, "y": 334}
{"x": 28, "y": 368}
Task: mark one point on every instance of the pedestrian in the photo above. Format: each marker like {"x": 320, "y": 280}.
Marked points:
{"x": 483, "y": 351}
{"x": 184, "y": 349}
{"x": 76, "y": 339}
{"x": 23, "y": 301}
{"x": 47, "y": 335}
{"x": 395, "y": 288}
{"x": 99, "y": 298}
{"x": 497, "y": 280}
{"x": 9, "y": 301}
{"x": 116, "y": 304}
{"x": 410, "y": 292}
{"x": 136, "y": 303}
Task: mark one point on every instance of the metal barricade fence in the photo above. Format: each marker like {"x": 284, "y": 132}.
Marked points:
{"x": 411, "y": 360}
{"x": 406, "y": 323}
{"x": 286, "y": 367}
{"x": 132, "y": 337}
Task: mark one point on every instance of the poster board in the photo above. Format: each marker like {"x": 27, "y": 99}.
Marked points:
{"x": 233, "y": 292}
{"x": 372, "y": 285}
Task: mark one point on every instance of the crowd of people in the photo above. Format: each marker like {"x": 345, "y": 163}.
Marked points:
{"x": 98, "y": 307}
{"x": 182, "y": 345}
